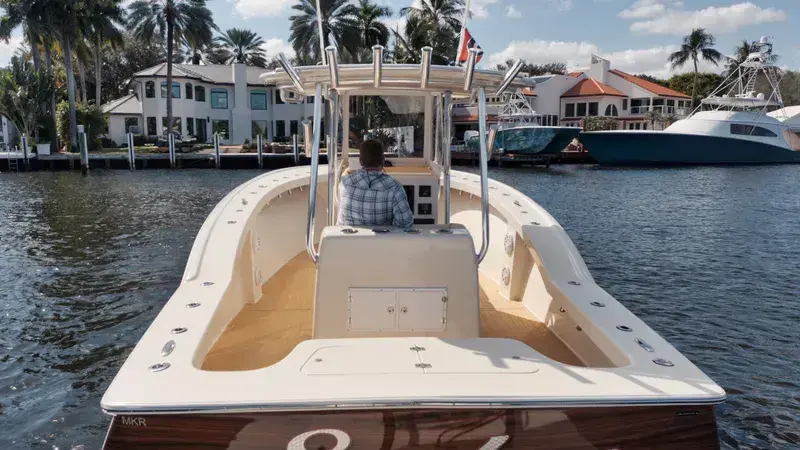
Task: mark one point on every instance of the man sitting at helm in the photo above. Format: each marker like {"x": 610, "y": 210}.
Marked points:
{"x": 370, "y": 197}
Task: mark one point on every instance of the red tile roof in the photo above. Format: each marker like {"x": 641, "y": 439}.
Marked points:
{"x": 575, "y": 74}
{"x": 528, "y": 92}
{"x": 591, "y": 87}
{"x": 649, "y": 85}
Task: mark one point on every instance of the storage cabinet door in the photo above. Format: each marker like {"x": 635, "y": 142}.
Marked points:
{"x": 372, "y": 310}
{"x": 421, "y": 309}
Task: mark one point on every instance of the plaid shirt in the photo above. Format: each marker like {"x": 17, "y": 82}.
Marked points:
{"x": 370, "y": 198}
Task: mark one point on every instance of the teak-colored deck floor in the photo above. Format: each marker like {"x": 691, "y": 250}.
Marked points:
{"x": 265, "y": 332}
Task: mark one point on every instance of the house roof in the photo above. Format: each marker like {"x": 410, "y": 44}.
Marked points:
{"x": 649, "y": 85}
{"x": 529, "y": 92}
{"x": 129, "y": 105}
{"x": 590, "y": 87}
{"x": 575, "y": 74}
{"x": 211, "y": 73}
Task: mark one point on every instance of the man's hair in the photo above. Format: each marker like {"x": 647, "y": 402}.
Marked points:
{"x": 371, "y": 154}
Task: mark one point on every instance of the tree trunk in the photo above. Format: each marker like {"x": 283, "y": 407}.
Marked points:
{"x": 37, "y": 58}
{"x": 694, "y": 84}
{"x": 98, "y": 68}
{"x": 82, "y": 75}
{"x": 170, "y": 45}
{"x": 48, "y": 54}
{"x": 73, "y": 117}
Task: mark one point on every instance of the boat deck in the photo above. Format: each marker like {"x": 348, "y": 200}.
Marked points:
{"x": 265, "y": 332}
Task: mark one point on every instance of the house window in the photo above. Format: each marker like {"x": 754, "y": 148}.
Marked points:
{"x": 176, "y": 89}
{"x": 150, "y": 89}
{"x": 581, "y": 110}
{"x": 611, "y": 111}
{"x": 219, "y": 126}
{"x": 293, "y": 127}
{"x": 188, "y": 91}
{"x": 750, "y": 130}
{"x": 259, "y": 128}
{"x": 131, "y": 122}
{"x": 594, "y": 109}
{"x": 278, "y": 99}
{"x": 624, "y": 104}
{"x": 258, "y": 100}
{"x": 176, "y": 127}
{"x": 570, "y": 110}
{"x": 219, "y": 98}
{"x": 199, "y": 93}
{"x": 280, "y": 128}
{"x": 189, "y": 125}
{"x": 151, "y": 126}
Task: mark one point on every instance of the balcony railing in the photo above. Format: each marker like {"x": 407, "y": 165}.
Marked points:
{"x": 661, "y": 109}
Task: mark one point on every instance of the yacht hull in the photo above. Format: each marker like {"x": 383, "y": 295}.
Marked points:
{"x": 532, "y": 140}
{"x": 653, "y": 427}
{"x": 654, "y": 148}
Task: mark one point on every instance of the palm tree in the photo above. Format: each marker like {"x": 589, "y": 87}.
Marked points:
{"x": 171, "y": 20}
{"x": 409, "y": 43}
{"x": 444, "y": 13}
{"x": 372, "y": 30}
{"x": 338, "y": 19}
{"x": 242, "y": 46}
{"x": 696, "y": 45}
{"x": 442, "y": 24}
{"x": 104, "y": 22}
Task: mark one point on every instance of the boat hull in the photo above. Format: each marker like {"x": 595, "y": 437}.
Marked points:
{"x": 531, "y": 140}
{"x": 652, "y": 427}
{"x": 654, "y": 148}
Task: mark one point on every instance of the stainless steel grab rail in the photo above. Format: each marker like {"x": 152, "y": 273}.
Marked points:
{"x": 446, "y": 113}
{"x": 484, "y": 158}
{"x": 333, "y": 154}
{"x": 312, "y": 189}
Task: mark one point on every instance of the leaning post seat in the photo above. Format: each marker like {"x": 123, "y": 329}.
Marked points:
{"x": 389, "y": 282}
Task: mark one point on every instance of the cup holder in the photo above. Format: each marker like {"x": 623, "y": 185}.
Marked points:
{"x": 413, "y": 231}
{"x": 349, "y": 231}
{"x": 444, "y": 231}
{"x": 381, "y": 230}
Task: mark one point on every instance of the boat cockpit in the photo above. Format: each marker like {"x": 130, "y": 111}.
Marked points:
{"x": 442, "y": 278}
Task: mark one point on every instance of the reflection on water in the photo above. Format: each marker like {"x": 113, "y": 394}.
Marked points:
{"x": 707, "y": 256}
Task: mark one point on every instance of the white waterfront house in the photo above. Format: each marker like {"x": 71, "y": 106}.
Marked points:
{"x": 207, "y": 99}
{"x": 567, "y": 100}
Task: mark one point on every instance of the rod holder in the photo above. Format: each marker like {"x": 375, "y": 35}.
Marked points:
{"x": 313, "y": 181}
{"x": 377, "y": 64}
{"x": 484, "y": 158}
{"x": 425, "y": 67}
{"x": 509, "y": 76}
{"x": 469, "y": 69}
{"x": 290, "y": 70}
{"x": 333, "y": 65}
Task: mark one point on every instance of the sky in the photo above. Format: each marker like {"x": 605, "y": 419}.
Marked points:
{"x": 637, "y": 36}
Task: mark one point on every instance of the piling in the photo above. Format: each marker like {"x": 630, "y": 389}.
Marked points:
{"x": 131, "y": 153}
{"x": 84, "y": 150}
{"x": 260, "y": 153}
{"x": 216, "y": 151}
{"x": 171, "y": 145}
{"x": 26, "y": 163}
{"x": 295, "y": 150}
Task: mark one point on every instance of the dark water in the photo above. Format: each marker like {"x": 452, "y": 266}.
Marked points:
{"x": 709, "y": 257}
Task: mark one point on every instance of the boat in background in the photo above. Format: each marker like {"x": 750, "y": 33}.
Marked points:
{"x": 519, "y": 132}
{"x": 733, "y": 125}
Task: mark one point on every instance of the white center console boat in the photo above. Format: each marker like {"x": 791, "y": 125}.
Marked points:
{"x": 479, "y": 328}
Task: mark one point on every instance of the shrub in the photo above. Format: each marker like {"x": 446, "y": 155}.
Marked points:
{"x": 140, "y": 140}
{"x": 596, "y": 123}
{"x": 107, "y": 143}
{"x": 90, "y": 116}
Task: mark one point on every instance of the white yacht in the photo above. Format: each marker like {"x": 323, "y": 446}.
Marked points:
{"x": 733, "y": 125}
{"x": 479, "y": 328}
